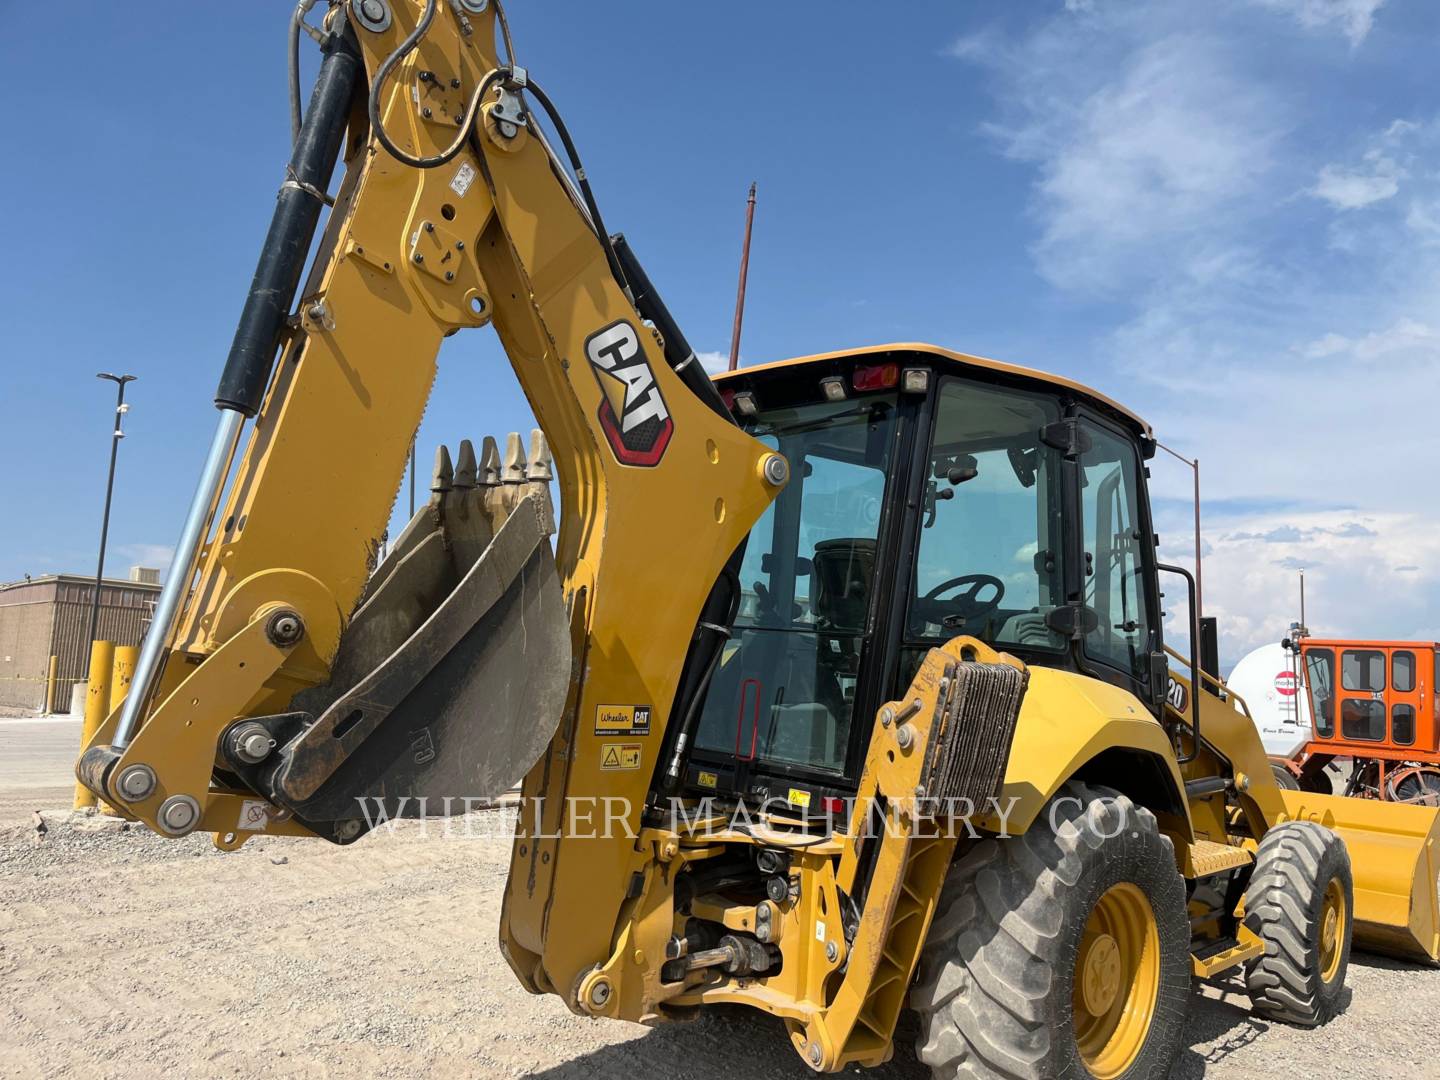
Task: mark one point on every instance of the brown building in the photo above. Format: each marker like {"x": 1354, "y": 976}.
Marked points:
{"x": 50, "y": 616}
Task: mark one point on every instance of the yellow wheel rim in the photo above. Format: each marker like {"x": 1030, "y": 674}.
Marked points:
{"x": 1117, "y": 981}
{"x": 1332, "y": 930}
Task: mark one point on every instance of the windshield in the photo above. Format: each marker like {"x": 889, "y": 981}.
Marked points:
{"x": 785, "y": 687}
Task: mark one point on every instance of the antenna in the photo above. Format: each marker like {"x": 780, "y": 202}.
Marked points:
{"x": 1304, "y": 626}
{"x": 744, "y": 271}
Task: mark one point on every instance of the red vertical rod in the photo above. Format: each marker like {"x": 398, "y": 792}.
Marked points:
{"x": 744, "y": 270}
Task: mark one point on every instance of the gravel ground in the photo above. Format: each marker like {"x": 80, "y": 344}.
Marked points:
{"x": 122, "y": 954}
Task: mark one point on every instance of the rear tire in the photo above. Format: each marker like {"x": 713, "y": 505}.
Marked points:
{"x": 1098, "y": 897}
{"x": 1284, "y": 777}
{"x": 1300, "y": 902}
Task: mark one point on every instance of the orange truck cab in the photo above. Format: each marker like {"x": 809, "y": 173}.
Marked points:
{"x": 1374, "y": 703}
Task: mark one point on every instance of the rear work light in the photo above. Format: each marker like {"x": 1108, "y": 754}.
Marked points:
{"x": 915, "y": 380}
{"x": 745, "y": 403}
{"x": 876, "y": 377}
{"x": 834, "y": 388}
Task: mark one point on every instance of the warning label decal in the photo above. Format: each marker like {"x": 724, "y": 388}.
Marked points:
{"x": 619, "y": 756}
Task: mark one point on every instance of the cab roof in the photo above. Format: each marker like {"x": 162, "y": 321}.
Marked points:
{"x": 1366, "y": 643}
{"x": 960, "y": 362}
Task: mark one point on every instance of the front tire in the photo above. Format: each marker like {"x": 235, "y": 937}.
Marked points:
{"x": 1300, "y": 902}
{"x": 1060, "y": 953}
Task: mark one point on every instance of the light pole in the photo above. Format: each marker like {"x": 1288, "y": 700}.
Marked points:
{"x": 120, "y": 410}
{"x": 1195, "y": 465}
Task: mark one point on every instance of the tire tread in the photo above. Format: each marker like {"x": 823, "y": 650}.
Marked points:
{"x": 1282, "y": 908}
{"x": 984, "y": 989}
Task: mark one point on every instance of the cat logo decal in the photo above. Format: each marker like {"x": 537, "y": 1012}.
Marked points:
{"x": 633, "y": 415}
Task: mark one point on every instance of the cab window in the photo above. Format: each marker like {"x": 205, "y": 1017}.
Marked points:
{"x": 1402, "y": 724}
{"x": 1402, "y": 671}
{"x": 1114, "y": 572}
{"x": 1320, "y": 678}
{"x": 988, "y": 563}
{"x": 1362, "y": 669}
{"x": 1362, "y": 719}
{"x": 785, "y": 686}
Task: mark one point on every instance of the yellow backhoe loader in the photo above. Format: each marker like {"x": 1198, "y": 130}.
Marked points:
{"x": 840, "y": 689}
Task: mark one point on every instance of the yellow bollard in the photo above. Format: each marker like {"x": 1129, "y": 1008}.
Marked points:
{"x": 124, "y": 671}
{"x": 50, "y": 685}
{"x": 121, "y": 672}
{"x": 97, "y": 706}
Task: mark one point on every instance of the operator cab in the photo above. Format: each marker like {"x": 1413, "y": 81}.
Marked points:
{"x": 931, "y": 495}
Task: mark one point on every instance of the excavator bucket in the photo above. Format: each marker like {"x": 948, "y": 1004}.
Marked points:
{"x": 452, "y": 675}
{"x": 1395, "y": 858}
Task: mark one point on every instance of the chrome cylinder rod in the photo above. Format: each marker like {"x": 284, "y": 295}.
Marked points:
{"x": 182, "y": 571}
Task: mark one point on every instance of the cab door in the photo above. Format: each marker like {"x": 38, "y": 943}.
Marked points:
{"x": 1406, "y": 696}
{"x": 1361, "y": 705}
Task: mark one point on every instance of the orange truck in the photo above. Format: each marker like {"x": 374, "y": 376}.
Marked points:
{"x": 1373, "y": 704}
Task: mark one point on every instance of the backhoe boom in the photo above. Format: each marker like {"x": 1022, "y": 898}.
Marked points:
{"x": 400, "y": 681}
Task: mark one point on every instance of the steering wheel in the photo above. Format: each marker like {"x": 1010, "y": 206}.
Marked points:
{"x": 966, "y": 605}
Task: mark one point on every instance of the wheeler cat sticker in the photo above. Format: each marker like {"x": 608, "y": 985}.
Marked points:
{"x": 622, "y": 720}
{"x": 632, "y": 411}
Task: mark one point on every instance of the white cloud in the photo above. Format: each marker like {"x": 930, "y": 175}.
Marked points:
{"x": 157, "y": 556}
{"x": 1423, "y": 219}
{"x": 1378, "y": 175}
{"x": 1405, "y": 337}
{"x": 1144, "y": 139}
{"x": 1351, "y": 189}
{"x": 1298, "y": 355}
{"x": 1373, "y": 578}
{"x": 1353, "y": 18}
{"x": 713, "y": 362}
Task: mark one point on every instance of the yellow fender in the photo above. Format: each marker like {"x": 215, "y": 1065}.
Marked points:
{"x": 1072, "y": 725}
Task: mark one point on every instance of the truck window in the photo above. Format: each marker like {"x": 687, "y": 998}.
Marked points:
{"x": 1320, "y": 678}
{"x": 1362, "y": 669}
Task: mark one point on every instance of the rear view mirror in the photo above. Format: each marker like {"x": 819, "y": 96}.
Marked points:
{"x": 1023, "y": 462}
{"x": 965, "y": 468}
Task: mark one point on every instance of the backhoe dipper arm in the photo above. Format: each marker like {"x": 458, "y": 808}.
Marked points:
{"x": 287, "y": 675}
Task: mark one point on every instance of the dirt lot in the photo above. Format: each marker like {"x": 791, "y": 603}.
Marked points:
{"x": 122, "y": 954}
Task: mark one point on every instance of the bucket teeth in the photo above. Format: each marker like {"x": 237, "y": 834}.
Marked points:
{"x": 540, "y": 467}
{"x": 489, "y": 462}
{"x": 514, "y": 470}
{"x": 465, "y": 465}
{"x": 444, "y": 474}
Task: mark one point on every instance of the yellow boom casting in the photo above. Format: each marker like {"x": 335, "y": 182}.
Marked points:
{"x": 842, "y": 689}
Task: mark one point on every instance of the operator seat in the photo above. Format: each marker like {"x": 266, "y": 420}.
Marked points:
{"x": 1028, "y": 628}
{"x": 840, "y": 580}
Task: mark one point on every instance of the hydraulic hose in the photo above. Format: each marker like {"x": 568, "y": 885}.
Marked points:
{"x": 471, "y": 109}
{"x": 297, "y": 23}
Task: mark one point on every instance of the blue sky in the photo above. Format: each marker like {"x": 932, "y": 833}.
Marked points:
{"x": 1225, "y": 214}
